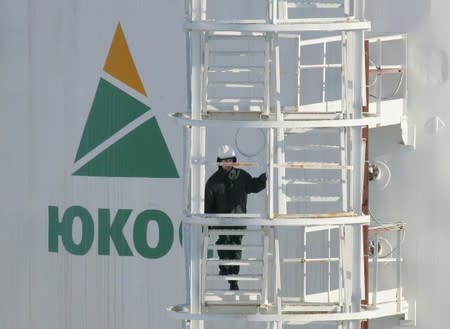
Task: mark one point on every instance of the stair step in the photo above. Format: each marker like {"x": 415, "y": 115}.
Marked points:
{"x": 310, "y": 260}
{"x": 248, "y": 277}
{"x": 320, "y": 66}
{"x": 233, "y": 247}
{"x": 317, "y": 181}
{"x": 309, "y": 229}
{"x": 249, "y": 100}
{"x": 243, "y": 53}
{"x": 312, "y": 165}
{"x": 231, "y": 35}
{"x": 308, "y": 131}
{"x": 236, "y": 84}
{"x": 313, "y": 147}
{"x": 233, "y": 69}
{"x": 225, "y": 110}
{"x": 242, "y": 262}
{"x": 227, "y": 292}
{"x": 322, "y": 115}
{"x": 313, "y": 198}
{"x": 315, "y": 216}
{"x": 314, "y": 4}
{"x": 235, "y": 297}
{"x": 233, "y": 302}
{"x": 243, "y": 232}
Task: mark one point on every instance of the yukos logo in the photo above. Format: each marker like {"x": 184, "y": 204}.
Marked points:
{"x": 121, "y": 138}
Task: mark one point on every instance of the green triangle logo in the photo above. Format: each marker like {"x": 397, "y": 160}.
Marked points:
{"x": 111, "y": 111}
{"x": 141, "y": 152}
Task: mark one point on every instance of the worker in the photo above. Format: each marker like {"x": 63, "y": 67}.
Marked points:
{"x": 226, "y": 193}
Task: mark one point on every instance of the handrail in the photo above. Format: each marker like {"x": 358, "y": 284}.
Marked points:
{"x": 396, "y": 228}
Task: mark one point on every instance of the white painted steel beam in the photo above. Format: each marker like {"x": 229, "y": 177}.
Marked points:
{"x": 249, "y": 314}
{"x": 254, "y": 219}
{"x": 307, "y": 26}
{"x": 366, "y": 120}
{"x": 197, "y": 151}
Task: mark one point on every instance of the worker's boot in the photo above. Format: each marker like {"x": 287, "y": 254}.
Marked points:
{"x": 233, "y": 285}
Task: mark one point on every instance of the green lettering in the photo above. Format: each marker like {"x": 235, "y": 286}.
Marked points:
{"x": 165, "y": 234}
{"x": 114, "y": 232}
{"x": 55, "y": 228}
{"x": 87, "y": 233}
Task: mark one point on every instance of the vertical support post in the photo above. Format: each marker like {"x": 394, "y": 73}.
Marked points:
{"x": 357, "y": 161}
{"x": 267, "y": 63}
{"x": 365, "y": 198}
{"x": 399, "y": 270}
{"x": 329, "y": 265}
{"x": 341, "y": 266}
{"x": 353, "y": 81}
{"x": 324, "y": 74}
{"x": 281, "y": 188}
{"x": 352, "y": 254}
{"x": 276, "y": 262}
{"x": 380, "y": 76}
{"x": 277, "y": 77}
{"x": 269, "y": 11}
{"x": 354, "y": 85}
{"x": 203, "y": 263}
{"x": 343, "y": 141}
{"x": 352, "y": 271}
{"x": 280, "y": 143}
{"x": 270, "y": 178}
{"x": 265, "y": 270}
{"x": 344, "y": 95}
{"x": 282, "y": 10}
{"x": 347, "y": 8}
{"x": 299, "y": 69}
{"x": 405, "y": 74}
{"x": 274, "y": 11}
{"x": 375, "y": 272}
{"x": 197, "y": 154}
{"x": 203, "y": 10}
{"x": 357, "y": 272}
{"x": 347, "y": 265}
{"x": 303, "y": 296}
{"x": 205, "y": 70}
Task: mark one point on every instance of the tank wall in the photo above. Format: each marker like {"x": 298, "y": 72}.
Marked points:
{"x": 53, "y": 56}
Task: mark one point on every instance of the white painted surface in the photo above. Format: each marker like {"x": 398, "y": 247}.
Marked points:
{"x": 52, "y": 56}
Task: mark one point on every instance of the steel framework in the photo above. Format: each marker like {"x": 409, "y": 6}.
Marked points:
{"x": 235, "y": 75}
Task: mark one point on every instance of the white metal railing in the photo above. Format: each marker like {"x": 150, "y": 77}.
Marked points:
{"x": 379, "y": 256}
{"x": 293, "y": 9}
{"x": 303, "y": 261}
{"x": 313, "y": 174}
{"x": 225, "y": 68}
{"x": 278, "y": 11}
{"x": 236, "y": 75}
{"x": 254, "y": 263}
{"x": 227, "y": 62}
{"x": 380, "y": 72}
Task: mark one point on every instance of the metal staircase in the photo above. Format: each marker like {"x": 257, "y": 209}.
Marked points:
{"x": 236, "y": 73}
{"x": 252, "y": 278}
{"x": 296, "y": 72}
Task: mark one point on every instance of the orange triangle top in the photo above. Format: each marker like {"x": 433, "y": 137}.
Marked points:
{"x": 119, "y": 62}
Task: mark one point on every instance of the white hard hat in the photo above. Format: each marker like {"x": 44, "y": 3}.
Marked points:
{"x": 225, "y": 152}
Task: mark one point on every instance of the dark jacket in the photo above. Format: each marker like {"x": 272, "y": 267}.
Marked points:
{"x": 226, "y": 193}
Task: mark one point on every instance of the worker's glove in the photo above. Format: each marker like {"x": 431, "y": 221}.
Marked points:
{"x": 262, "y": 177}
